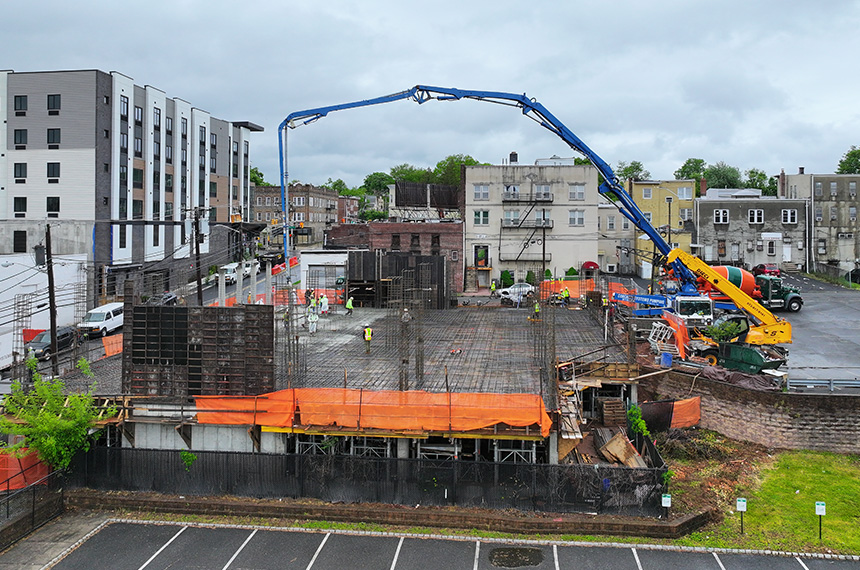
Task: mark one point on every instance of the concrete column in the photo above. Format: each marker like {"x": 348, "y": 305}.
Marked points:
{"x": 553, "y": 448}
{"x": 268, "y": 282}
{"x": 402, "y": 448}
{"x": 222, "y": 287}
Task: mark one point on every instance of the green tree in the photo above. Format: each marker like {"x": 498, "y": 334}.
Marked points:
{"x": 756, "y": 179}
{"x": 377, "y": 183}
{"x": 371, "y": 215}
{"x": 850, "y": 163}
{"x": 721, "y": 175}
{"x": 408, "y": 173}
{"x": 257, "y": 177}
{"x": 447, "y": 170}
{"x": 339, "y": 186}
{"x": 632, "y": 171}
{"x": 54, "y": 425}
{"x": 692, "y": 169}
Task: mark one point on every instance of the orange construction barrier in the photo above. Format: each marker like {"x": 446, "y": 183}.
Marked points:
{"x": 682, "y": 335}
{"x": 18, "y": 472}
{"x": 388, "y": 410}
{"x": 686, "y": 413}
{"x": 112, "y": 344}
{"x": 619, "y": 288}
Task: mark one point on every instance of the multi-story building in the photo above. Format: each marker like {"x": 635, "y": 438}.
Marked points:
{"x": 122, "y": 168}
{"x": 743, "y": 228}
{"x": 668, "y": 206}
{"x": 312, "y": 211}
{"x": 523, "y": 218}
{"x": 616, "y": 242}
{"x": 348, "y": 208}
{"x": 834, "y": 242}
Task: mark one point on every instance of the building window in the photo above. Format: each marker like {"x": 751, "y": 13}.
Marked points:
{"x": 20, "y": 170}
{"x": 646, "y": 193}
{"x": 721, "y": 216}
{"x": 852, "y": 189}
{"x": 833, "y": 188}
{"x": 138, "y": 147}
{"x": 512, "y": 217}
{"x": 19, "y": 242}
{"x": 576, "y": 192}
{"x": 123, "y": 142}
{"x": 685, "y": 193}
{"x": 53, "y": 137}
{"x": 21, "y": 104}
{"x": 246, "y": 148}
{"x": 52, "y": 206}
{"x": 415, "y": 242}
{"x": 168, "y": 125}
{"x": 482, "y": 217}
{"x": 20, "y": 137}
{"x": 818, "y": 191}
{"x": 156, "y": 150}
{"x": 771, "y": 247}
{"x": 168, "y": 154}
{"x": 625, "y": 223}
{"x": 482, "y": 192}
{"x": 53, "y": 170}
{"x": 852, "y": 213}
{"x": 123, "y": 107}
{"x": 137, "y": 209}
{"x": 53, "y": 104}
{"x": 156, "y": 118}
{"x": 576, "y": 217}
{"x": 184, "y": 127}
{"x": 755, "y": 216}
{"x": 834, "y": 211}
{"x": 138, "y": 115}
{"x": 213, "y": 139}
{"x": 542, "y": 192}
{"x": 202, "y": 133}
{"x": 212, "y": 164}
{"x": 259, "y": 216}
{"x": 121, "y": 233}
{"x": 137, "y": 178}
{"x": 789, "y": 216}
{"x": 721, "y": 248}
{"x": 685, "y": 214}
{"x": 19, "y": 205}
{"x": 168, "y": 210}
{"x": 213, "y": 189}
{"x": 610, "y": 222}
{"x": 168, "y": 183}
{"x": 123, "y": 175}
{"x": 822, "y": 246}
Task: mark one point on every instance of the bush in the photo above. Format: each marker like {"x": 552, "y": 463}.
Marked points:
{"x": 571, "y": 272}
{"x": 507, "y": 278}
{"x": 530, "y": 278}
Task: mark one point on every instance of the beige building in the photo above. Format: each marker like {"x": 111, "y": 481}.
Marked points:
{"x": 668, "y": 206}
{"x": 525, "y": 218}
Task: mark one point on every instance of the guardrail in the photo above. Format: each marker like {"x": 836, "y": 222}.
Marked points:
{"x": 819, "y": 383}
{"x": 29, "y": 508}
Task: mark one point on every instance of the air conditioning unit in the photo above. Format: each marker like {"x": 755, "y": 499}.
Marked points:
{"x": 818, "y": 218}
{"x": 853, "y": 219}
{"x": 611, "y": 268}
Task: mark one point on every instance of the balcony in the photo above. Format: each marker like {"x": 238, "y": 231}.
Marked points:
{"x": 526, "y": 224}
{"x": 508, "y": 196}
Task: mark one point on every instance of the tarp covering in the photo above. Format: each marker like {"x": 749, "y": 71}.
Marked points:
{"x": 112, "y": 344}
{"x": 682, "y": 336}
{"x": 619, "y": 288}
{"x": 687, "y": 413}
{"x": 387, "y": 410}
{"x": 17, "y": 473}
{"x": 751, "y": 381}
{"x": 665, "y": 414}
{"x": 577, "y": 288}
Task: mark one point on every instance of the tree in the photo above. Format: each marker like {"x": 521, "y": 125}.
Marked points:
{"x": 721, "y": 175}
{"x": 371, "y": 215}
{"x": 54, "y": 425}
{"x": 257, "y": 177}
{"x": 850, "y": 163}
{"x": 377, "y": 183}
{"x": 447, "y": 170}
{"x": 756, "y": 179}
{"x": 340, "y": 187}
{"x": 632, "y": 171}
{"x": 408, "y": 173}
{"x": 692, "y": 169}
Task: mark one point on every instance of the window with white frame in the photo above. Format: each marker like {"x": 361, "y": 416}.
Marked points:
{"x": 755, "y": 216}
{"x": 685, "y": 213}
{"x": 299, "y": 201}
{"x": 852, "y": 213}
{"x": 512, "y": 217}
{"x": 646, "y": 193}
{"x": 576, "y": 192}
{"x": 625, "y": 223}
{"x": 822, "y": 246}
{"x": 610, "y": 222}
{"x": 771, "y": 247}
{"x": 789, "y": 216}
{"x": 818, "y": 188}
{"x": 542, "y": 217}
{"x": 818, "y": 213}
{"x": 482, "y": 217}
{"x": 833, "y": 188}
{"x": 852, "y": 188}
{"x": 685, "y": 193}
{"x": 482, "y": 192}
{"x": 576, "y": 217}
{"x": 721, "y": 216}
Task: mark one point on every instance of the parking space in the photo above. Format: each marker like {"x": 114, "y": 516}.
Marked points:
{"x": 151, "y": 546}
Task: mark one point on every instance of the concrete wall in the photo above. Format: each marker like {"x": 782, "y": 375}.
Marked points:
{"x": 774, "y": 419}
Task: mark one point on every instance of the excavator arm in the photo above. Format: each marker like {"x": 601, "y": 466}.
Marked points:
{"x": 767, "y": 328}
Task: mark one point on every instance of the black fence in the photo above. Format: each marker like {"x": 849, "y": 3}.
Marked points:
{"x": 350, "y": 479}
{"x": 27, "y": 509}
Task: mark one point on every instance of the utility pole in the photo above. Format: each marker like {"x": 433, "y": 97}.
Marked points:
{"x": 52, "y": 302}
{"x": 197, "y": 255}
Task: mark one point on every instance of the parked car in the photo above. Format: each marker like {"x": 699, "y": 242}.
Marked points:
{"x": 166, "y": 299}
{"x": 231, "y": 272}
{"x": 103, "y": 320}
{"x": 766, "y": 269}
{"x": 41, "y": 343}
{"x": 517, "y": 291}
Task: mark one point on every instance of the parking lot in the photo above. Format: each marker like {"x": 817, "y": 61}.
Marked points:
{"x": 122, "y": 545}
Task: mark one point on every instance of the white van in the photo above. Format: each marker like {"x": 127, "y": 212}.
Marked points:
{"x": 103, "y": 320}
{"x": 250, "y": 268}
{"x": 231, "y": 272}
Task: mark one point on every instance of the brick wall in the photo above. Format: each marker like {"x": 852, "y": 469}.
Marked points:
{"x": 775, "y": 419}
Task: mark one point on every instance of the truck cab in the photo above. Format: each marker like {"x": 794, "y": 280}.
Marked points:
{"x": 695, "y": 311}
{"x": 775, "y": 294}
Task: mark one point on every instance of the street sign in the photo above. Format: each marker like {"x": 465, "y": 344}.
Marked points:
{"x": 667, "y": 501}
{"x": 741, "y": 506}
{"x": 820, "y": 508}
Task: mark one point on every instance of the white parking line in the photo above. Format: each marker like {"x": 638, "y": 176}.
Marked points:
{"x": 397, "y": 553}
{"x": 805, "y": 567}
{"x": 477, "y": 553}
{"x": 719, "y": 561}
{"x": 235, "y": 554}
{"x": 555, "y": 555}
{"x": 636, "y": 556}
{"x": 319, "y": 549}
{"x": 166, "y": 544}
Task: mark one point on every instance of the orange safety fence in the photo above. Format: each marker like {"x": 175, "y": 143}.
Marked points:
{"x": 682, "y": 335}
{"x": 377, "y": 409}
{"x": 619, "y": 288}
{"x": 112, "y": 344}
{"x": 18, "y": 472}
{"x": 577, "y": 288}
{"x": 686, "y": 413}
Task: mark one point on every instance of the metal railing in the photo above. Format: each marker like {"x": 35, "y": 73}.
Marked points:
{"x": 832, "y": 384}
{"x": 25, "y": 510}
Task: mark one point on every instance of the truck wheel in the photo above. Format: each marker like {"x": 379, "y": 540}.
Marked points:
{"x": 794, "y": 305}
{"x": 711, "y": 357}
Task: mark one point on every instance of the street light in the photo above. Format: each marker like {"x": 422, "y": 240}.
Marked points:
{"x": 669, "y": 221}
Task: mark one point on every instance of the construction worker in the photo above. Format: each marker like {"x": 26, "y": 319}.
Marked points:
{"x": 565, "y": 297}
{"x": 349, "y": 307}
{"x": 537, "y": 308}
{"x": 312, "y": 322}
{"x": 324, "y": 304}
{"x": 368, "y": 334}
{"x": 313, "y": 303}
{"x": 492, "y": 288}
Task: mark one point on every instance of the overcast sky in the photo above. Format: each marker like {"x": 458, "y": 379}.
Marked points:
{"x": 757, "y": 84}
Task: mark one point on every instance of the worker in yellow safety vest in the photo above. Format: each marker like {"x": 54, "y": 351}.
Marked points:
{"x": 368, "y": 334}
{"x": 537, "y": 309}
{"x": 565, "y": 297}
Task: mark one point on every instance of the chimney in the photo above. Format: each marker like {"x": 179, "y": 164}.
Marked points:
{"x": 514, "y": 158}
{"x": 800, "y": 170}
{"x": 782, "y": 183}
{"x": 703, "y": 187}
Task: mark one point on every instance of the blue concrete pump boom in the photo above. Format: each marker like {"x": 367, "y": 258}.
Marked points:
{"x": 611, "y": 188}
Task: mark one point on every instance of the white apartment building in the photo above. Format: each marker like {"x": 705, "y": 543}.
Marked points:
{"x": 523, "y": 218}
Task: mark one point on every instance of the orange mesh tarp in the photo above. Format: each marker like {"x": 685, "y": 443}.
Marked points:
{"x": 682, "y": 335}
{"x": 385, "y": 410}
{"x": 112, "y": 344}
{"x": 577, "y": 288}
{"x": 686, "y": 413}
{"x": 619, "y": 288}
{"x": 17, "y": 473}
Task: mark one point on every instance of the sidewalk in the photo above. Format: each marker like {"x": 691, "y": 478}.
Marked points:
{"x": 38, "y": 549}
